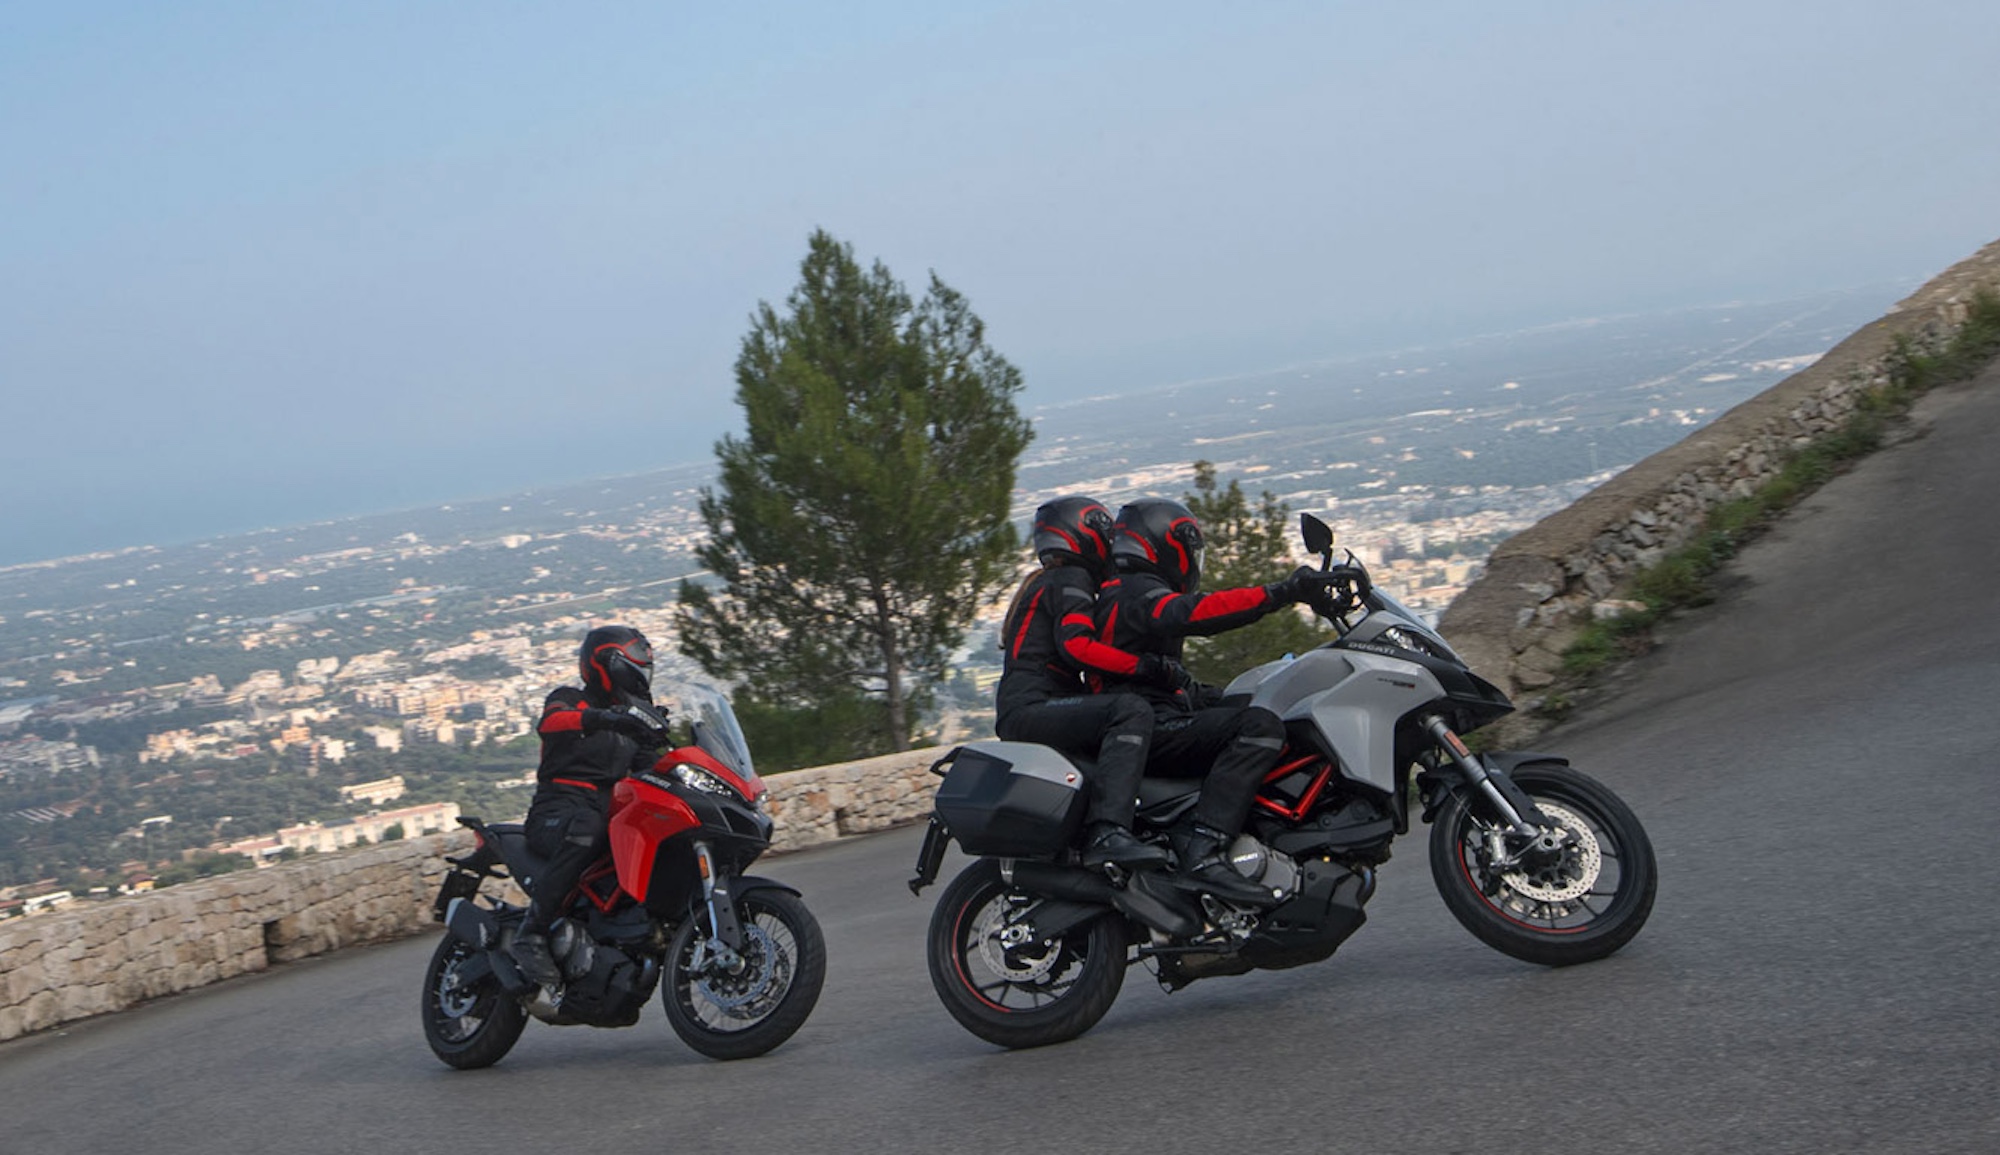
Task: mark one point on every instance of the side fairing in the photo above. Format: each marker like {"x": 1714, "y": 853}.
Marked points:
{"x": 642, "y": 817}
{"x": 1354, "y": 700}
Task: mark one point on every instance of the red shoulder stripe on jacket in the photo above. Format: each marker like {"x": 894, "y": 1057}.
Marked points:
{"x": 1021, "y": 635}
{"x": 561, "y": 719}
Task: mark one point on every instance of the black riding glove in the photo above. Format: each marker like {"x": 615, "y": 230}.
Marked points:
{"x": 634, "y": 722}
{"x": 1160, "y": 670}
{"x": 1302, "y": 585}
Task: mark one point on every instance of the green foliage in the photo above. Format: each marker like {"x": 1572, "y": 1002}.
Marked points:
{"x": 1976, "y": 343}
{"x": 786, "y": 737}
{"x": 863, "y": 516}
{"x": 200, "y": 866}
{"x": 482, "y": 668}
{"x": 1604, "y": 643}
{"x": 1248, "y": 544}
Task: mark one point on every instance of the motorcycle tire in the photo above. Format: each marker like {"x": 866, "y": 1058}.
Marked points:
{"x": 1029, "y": 995}
{"x": 740, "y": 1016}
{"x": 467, "y": 1027}
{"x": 1577, "y": 906}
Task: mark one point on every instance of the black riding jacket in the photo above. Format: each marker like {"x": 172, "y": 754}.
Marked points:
{"x": 1139, "y": 613}
{"x": 1050, "y": 641}
{"x": 582, "y": 761}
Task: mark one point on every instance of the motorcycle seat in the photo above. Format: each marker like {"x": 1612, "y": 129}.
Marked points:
{"x": 512, "y": 838}
{"x": 1154, "y": 791}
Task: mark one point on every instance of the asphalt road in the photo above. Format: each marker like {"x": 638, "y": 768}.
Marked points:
{"x": 1815, "y": 758}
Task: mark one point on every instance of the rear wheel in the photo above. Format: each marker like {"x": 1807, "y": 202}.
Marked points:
{"x": 467, "y": 1024}
{"x": 1577, "y": 899}
{"x": 740, "y": 1015}
{"x": 1019, "y": 993}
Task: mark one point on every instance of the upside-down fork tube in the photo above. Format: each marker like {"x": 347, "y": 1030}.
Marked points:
{"x": 1138, "y": 899}
{"x": 1510, "y": 804}
{"x": 715, "y": 892}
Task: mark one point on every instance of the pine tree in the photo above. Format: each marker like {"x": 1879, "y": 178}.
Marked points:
{"x": 1247, "y": 545}
{"x": 862, "y": 517}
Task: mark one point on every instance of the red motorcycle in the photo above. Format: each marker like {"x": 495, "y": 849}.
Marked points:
{"x": 739, "y": 960}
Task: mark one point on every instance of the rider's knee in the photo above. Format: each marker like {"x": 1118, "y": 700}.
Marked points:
{"x": 1260, "y": 725}
{"x": 1130, "y": 712}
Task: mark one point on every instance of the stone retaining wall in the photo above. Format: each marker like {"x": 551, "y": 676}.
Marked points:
{"x": 92, "y": 958}
{"x": 1544, "y": 585}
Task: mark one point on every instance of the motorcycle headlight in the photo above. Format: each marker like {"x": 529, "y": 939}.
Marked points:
{"x": 1404, "y": 639}
{"x": 695, "y": 778}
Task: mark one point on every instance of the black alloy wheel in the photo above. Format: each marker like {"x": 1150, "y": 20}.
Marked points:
{"x": 1010, "y": 991}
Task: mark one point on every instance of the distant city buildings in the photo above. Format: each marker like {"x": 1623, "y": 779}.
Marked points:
{"x": 324, "y": 838}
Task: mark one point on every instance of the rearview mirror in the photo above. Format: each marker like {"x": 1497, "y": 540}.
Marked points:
{"x": 1318, "y": 535}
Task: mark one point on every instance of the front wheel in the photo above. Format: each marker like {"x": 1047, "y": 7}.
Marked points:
{"x": 472, "y": 1024}
{"x": 1572, "y": 902}
{"x": 740, "y": 1015}
{"x": 1015, "y": 992}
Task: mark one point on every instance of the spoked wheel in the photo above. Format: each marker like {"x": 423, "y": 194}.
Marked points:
{"x": 467, "y": 1024}
{"x": 1577, "y": 894}
{"x": 1011, "y": 991}
{"x": 741, "y": 1014}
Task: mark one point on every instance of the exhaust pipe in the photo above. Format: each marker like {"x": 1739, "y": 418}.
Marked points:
{"x": 1138, "y": 900}
{"x": 472, "y": 924}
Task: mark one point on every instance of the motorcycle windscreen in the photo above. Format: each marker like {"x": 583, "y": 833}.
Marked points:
{"x": 715, "y": 727}
{"x": 642, "y": 817}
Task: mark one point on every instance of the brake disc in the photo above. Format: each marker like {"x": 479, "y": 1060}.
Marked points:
{"x": 1570, "y": 872}
{"x": 1021, "y": 963}
{"x": 733, "y": 992}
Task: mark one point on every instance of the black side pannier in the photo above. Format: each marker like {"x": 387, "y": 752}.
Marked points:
{"x": 1011, "y": 799}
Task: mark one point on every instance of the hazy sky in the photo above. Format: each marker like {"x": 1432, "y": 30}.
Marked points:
{"x": 266, "y": 263}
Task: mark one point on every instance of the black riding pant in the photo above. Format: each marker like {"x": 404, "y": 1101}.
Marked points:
{"x": 1112, "y": 728}
{"x": 568, "y": 828}
{"x": 1238, "y": 745}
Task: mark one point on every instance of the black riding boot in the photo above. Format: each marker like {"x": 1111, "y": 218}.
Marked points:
{"x": 1204, "y": 855}
{"x": 530, "y": 952}
{"x": 1109, "y": 844}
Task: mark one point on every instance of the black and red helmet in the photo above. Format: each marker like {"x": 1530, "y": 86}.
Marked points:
{"x": 1074, "y": 529}
{"x": 616, "y": 662}
{"x": 1160, "y": 536}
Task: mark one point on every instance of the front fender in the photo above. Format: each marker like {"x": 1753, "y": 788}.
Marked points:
{"x": 744, "y": 884}
{"x": 1506, "y": 761}
{"x": 1501, "y": 764}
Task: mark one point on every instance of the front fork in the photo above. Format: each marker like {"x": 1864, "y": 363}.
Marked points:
{"x": 724, "y": 947}
{"x": 1509, "y": 803}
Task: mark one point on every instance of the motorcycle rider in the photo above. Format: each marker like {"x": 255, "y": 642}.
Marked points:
{"x": 591, "y": 737}
{"x": 1149, "y": 609}
{"x": 1049, "y": 638}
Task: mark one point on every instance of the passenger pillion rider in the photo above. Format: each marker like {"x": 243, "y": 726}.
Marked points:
{"x": 1050, "y": 644}
{"x": 1151, "y": 606}
{"x": 591, "y": 737}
